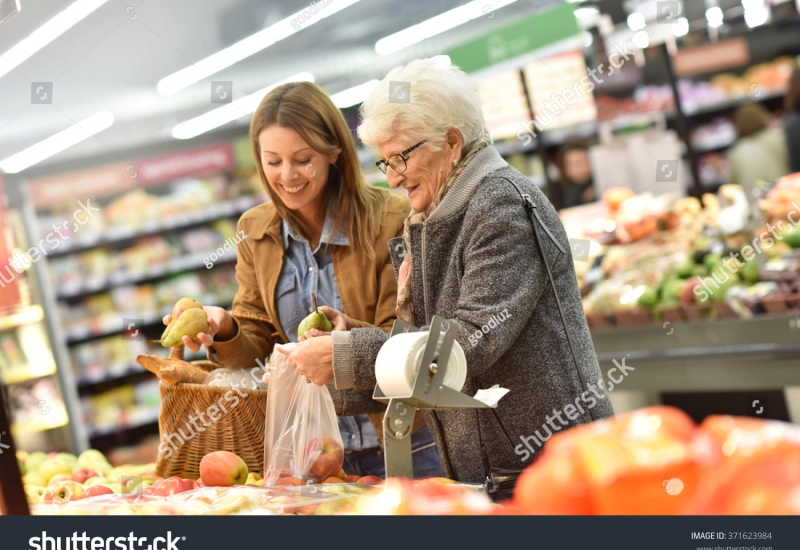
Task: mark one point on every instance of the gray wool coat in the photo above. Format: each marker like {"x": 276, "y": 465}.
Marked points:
{"x": 475, "y": 260}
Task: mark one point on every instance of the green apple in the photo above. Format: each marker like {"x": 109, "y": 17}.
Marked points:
{"x": 59, "y": 478}
{"x": 91, "y": 458}
{"x": 53, "y": 467}
{"x": 97, "y": 481}
{"x": 35, "y": 479}
{"x": 35, "y": 493}
{"x": 116, "y": 487}
{"x": 68, "y": 457}
{"x": 35, "y": 460}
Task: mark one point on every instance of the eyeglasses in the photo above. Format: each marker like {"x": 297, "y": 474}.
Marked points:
{"x": 398, "y": 161}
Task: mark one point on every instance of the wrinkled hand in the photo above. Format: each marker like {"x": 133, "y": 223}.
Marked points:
{"x": 313, "y": 359}
{"x": 220, "y": 324}
{"x": 339, "y": 320}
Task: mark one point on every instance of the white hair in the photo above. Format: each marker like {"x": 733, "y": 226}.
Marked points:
{"x": 422, "y": 101}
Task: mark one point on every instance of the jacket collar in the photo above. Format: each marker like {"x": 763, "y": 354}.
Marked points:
{"x": 488, "y": 160}
{"x": 267, "y": 225}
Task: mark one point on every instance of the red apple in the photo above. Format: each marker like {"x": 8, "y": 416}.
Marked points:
{"x": 333, "y": 480}
{"x": 80, "y": 476}
{"x": 328, "y": 457}
{"x": 352, "y": 478}
{"x": 290, "y": 481}
{"x": 169, "y": 486}
{"x": 63, "y": 491}
{"x": 96, "y": 490}
{"x": 222, "y": 469}
{"x": 369, "y": 480}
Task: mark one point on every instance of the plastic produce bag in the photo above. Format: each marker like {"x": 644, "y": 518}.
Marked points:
{"x": 234, "y": 378}
{"x": 302, "y": 437}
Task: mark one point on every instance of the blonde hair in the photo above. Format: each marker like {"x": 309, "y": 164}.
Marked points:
{"x": 306, "y": 108}
{"x": 442, "y": 96}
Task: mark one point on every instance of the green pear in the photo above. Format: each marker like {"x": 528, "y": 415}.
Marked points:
{"x": 315, "y": 320}
{"x": 190, "y": 323}
{"x": 184, "y": 303}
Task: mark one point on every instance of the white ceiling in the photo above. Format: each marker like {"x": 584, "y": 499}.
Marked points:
{"x": 113, "y": 59}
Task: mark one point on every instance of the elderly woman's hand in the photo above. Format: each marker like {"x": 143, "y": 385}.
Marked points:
{"x": 313, "y": 359}
{"x": 339, "y": 320}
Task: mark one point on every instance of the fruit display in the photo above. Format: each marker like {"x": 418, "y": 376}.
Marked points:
{"x": 62, "y": 484}
{"x": 668, "y": 258}
{"x": 656, "y": 461}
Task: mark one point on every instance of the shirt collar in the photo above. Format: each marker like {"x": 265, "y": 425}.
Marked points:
{"x": 328, "y": 237}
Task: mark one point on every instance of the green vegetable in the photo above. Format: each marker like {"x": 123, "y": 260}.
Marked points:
{"x": 649, "y": 298}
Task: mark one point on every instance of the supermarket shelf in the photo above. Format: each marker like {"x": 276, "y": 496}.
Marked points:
{"x": 722, "y": 355}
{"x": 176, "y": 265}
{"x": 731, "y": 103}
{"x": 148, "y": 323}
{"x": 39, "y": 424}
{"x": 134, "y": 373}
{"x": 212, "y": 213}
{"x": 712, "y": 148}
{"x": 18, "y": 376}
{"x": 119, "y": 432}
{"x": 26, "y": 316}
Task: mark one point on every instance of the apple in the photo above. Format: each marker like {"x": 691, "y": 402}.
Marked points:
{"x": 99, "y": 480}
{"x": 342, "y": 474}
{"x": 223, "y": 469}
{"x": 35, "y": 460}
{"x": 369, "y": 480}
{"x": 83, "y": 474}
{"x": 68, "y": 457}
{"x": 170, "y": 486}
{"x": 328, "y": 457}
{"x": 333, "y": 480}
{"x": 35, "y": 492}
{"x": 253, "y": 479}
{"x": 55, "y": 466}
{"x": 290, "y": 481}
{"x": 58, "y": 478}
{"x": 96, "y": 490}
{"x": 352, "y": 478}
{"x": 91, "y": 456}
{"x": 64, "y": 491}
{"x": 34, "y": 478}
{"x": 116, "y": 487}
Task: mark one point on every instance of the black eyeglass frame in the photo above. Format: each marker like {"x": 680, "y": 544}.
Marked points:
{"x": 382, "y": 164}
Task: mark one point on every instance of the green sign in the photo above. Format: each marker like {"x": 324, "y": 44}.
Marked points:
{"x": 527, "y": 35}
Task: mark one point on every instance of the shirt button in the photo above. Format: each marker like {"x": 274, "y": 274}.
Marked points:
{"x": 310, "y": 269}
{"x": 353, "y": 436}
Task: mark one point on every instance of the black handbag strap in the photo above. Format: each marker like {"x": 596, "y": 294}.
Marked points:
{"x": 533, "y": 214}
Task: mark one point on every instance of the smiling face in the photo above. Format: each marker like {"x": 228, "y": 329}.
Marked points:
{"x": 295, "y": 172}
{"x": 427, "y": 169}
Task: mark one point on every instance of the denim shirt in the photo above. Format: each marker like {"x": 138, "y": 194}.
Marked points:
{"x": 305, "y": 271}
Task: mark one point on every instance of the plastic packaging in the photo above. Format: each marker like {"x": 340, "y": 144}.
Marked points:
{"x": 302, "y": 437}
{"x": 230, "y": 377}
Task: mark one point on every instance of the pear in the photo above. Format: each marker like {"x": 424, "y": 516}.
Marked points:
{"x": 184, "y": 304}
{"x": 315, "y": 320}
{"x": 190, "y": 323}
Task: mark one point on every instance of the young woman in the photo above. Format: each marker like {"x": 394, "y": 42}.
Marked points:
{"x": 325, "y": 231}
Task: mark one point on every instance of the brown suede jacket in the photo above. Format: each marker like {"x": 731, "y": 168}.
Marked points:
{"x": 367, "y": 288}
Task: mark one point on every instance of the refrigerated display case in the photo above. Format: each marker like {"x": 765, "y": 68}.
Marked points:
{"x": 36, "y": 379}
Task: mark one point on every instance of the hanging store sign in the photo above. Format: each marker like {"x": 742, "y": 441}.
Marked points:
{"x": 66, "y": 188}
{"x": 711, "y": 57}
{"x": 161, "y": 169}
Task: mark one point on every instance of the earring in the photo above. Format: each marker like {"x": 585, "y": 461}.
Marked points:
{"x": 455, "y": 162}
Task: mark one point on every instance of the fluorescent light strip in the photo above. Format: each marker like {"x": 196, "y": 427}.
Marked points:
{"x": 436, "y": 25}
{"x": 355, "y": 95}
{"x": 246, "y": 47}
{"x": 230, "y": 112}
{"x": 45, "y": 34}
{"x": 57, "y": 143}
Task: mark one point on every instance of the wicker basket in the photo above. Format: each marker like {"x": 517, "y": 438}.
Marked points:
{"x": 238, "y": 428}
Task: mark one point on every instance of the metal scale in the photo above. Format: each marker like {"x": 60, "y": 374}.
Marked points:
{"x": 429, "y": 392}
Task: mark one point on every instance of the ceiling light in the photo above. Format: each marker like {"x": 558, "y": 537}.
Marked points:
{"x": 230, "y": 112}
{"x": 714, "y": 16}
{"x": 436, "y": 25}
{"x": 756, "y": 16}
{"x": 582, "y": 13}
{"x": 57, "y": 143}
{"x": 641, "y": 40}
{"x": 48, "y": 32}
{"x": 247, "y": 47}
{"x": 355, "y": 95}
{"x": 680, "y": 27}
{"x": 587, "y": 38}
{"x": 636, "y": 21}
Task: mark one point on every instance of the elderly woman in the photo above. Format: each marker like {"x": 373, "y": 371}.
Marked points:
{"x": 469, "y": 254}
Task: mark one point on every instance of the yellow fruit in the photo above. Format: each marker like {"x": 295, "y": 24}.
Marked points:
{"x": 35, "y": 493}
{"x": 315, "y": 320}
{"x": 190, "y": 323}
{"x": 34, "y": 479}
{"x": 185, "y": 304}
{"x": 55, "y": 466}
